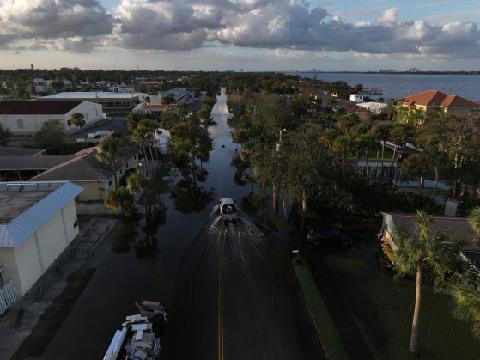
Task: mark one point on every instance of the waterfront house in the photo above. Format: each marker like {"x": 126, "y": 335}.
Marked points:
{"x": 433, "y": 100}
{"x": 27, "y": 117}
{"x": 38, "y": 220}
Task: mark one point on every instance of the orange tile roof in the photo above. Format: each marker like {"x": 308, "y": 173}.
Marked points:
{"x": 439, "y": 99}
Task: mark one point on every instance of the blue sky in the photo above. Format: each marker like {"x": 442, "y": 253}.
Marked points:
{"x": 241, "y": 34}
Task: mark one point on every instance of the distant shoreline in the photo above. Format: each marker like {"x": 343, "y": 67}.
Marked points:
{"x": 388, "y": 72}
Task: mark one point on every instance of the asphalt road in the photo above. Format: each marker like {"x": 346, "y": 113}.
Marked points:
{"x": 228, "y": 290}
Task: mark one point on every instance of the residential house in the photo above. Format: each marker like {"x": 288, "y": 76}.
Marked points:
{"x": 27, "y": 117}
{"x": 180, "y": 95}
{"x": 38, "y": 220}
{"x": 457, "y": 227}
{"x": 95, "y": 177}
{"x": 24, "y": 167}
{"x": 434, "y": 100}
{"x": 362, "y": 113}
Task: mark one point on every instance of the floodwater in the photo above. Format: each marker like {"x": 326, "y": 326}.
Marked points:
{"x": 226, "y": 288}
{"x": 400, "y": 85}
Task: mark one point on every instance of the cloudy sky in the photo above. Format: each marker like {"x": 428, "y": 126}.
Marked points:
{"x": 241, "y": 34}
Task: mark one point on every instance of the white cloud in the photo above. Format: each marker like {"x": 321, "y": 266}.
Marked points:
{"x": 286, "y": 26}
{"x": 65, "y": 21}
{"x": 388, "y": 16}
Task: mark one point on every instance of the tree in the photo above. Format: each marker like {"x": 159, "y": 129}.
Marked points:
{"x": 77, "y": 120}
{"x": 308, "y": 166}
{"x": 467, "y": 305}
{"x": 51, "y": 136}
{"x": 168, "y": 99}
{"x": 188, "y": 143}
{"x": 417, "y": 166}
{"x": 120, "y": 199}
{"x": 107, "y": 152}
{"x": 474, "y": 221}
{"x": 135, "y": 182}
{"x": 5, "y": 135}
{"x": 420, "y": 253}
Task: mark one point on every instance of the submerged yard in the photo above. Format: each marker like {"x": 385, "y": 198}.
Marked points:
{"x": 384, "y": 309}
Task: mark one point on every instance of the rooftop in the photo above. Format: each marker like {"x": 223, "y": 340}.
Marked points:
{"x": 439, "y": 99}
{"x": 37, "y": 107}
{"x": 26, "y": 206}
{"x": 456, "y": 227}
{"x": 83, "y": 166}
{"x": 40, "y": 162}
{"x": 90, "y": 95}
{"x": 13, "y": 203}
{"x": 19, "y": 151}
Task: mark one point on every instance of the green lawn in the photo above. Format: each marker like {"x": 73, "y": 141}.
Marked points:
{"x": 327, "y": 332}
{"x": 384, "y": 308}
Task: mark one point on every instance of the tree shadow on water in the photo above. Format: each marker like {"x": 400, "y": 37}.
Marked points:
{"x": 146, "y": 245}
{"x": 189, "y": 197}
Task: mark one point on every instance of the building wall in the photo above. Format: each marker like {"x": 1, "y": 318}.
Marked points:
{"x": 71, "y": 223}
{"x": 460, "y": 112}
{"x": 29, "y": 124}
{"x": 28, "y": 265}
{"x": 53, "y": 238}
{"x": 7, "y": 259}
{"x": 94, "y": 190}
{"x": 92, "y": 112}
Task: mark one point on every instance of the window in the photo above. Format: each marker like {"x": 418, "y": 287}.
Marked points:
{"x": 20, "y": 123}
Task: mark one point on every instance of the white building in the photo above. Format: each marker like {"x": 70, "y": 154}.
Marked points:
{"x": 27, "y": 117}
{"x": 38, "y": 220}
{"x": 367, "y": 95}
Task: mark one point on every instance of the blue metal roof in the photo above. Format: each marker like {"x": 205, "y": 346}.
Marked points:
{"x": 24, "y": 225}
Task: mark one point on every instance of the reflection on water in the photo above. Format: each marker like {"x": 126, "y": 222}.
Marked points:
{"x": 190, "y": 197}
{"x": 221, "y": 175}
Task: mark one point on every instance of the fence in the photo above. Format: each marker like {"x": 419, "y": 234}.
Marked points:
{"x": 8, "y": 296}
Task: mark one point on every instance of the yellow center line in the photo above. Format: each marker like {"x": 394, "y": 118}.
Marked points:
{"x": 220, "y": 300}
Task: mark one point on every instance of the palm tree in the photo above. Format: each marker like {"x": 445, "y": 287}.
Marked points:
{"x": 474, "y": 220}
{"x": 107, "y": 152}
{"x": 77, "y": 120}
{"x": 120, "y": 199}
{"x": 465, "y": 293}
{"x": 423, "y": 252}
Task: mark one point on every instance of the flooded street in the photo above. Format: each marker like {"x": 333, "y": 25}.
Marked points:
{"x": 227, "y": 287}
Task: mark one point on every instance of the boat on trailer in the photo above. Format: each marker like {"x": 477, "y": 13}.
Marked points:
{"x": 139, "y": 337}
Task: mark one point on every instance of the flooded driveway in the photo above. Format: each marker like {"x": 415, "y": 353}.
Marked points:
{"x": 227, "y": 288}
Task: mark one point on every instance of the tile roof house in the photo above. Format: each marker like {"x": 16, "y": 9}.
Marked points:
{"x": 38, "y": 220}
{"x": 362, "y": 113}
{"x": 27, "y": 117}
{"x": 433, "y": 100}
